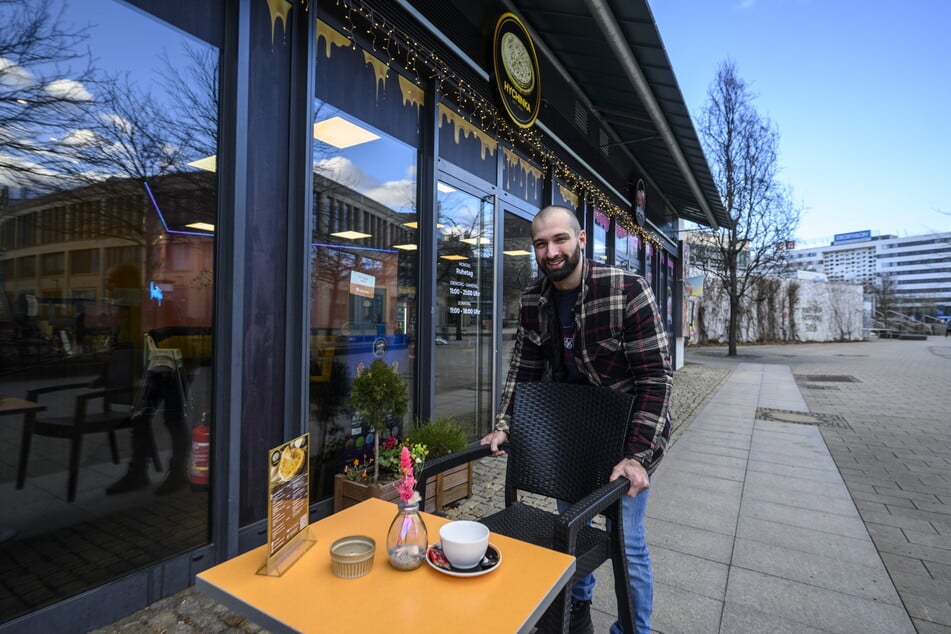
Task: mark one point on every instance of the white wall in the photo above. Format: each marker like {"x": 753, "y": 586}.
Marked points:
{"x": 793, "y": 310}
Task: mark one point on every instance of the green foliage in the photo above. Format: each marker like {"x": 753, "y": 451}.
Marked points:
{"x": 378, "y": 391}
{"x": 441, "y": 436}
{"x": 386, "y": 465}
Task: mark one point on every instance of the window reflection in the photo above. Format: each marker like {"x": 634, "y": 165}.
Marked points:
{"x": 363, "y": 277}
{"x": 519, "y": 269}
{"x": 106, "y": 243}
{"x": 602, "y": 222}
{"x": 627, "y": 249}
{"x": 464, "y": 308}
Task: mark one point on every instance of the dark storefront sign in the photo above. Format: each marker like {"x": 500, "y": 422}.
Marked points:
{"x": 517, "y": 77}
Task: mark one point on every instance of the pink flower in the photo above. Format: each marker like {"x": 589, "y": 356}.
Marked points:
{"x": 406, "y": 485}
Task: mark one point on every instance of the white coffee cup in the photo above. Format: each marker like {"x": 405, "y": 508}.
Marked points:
{"x": 464, "y": 543}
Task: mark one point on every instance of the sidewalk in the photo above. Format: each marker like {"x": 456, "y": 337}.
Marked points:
{"x": 752, "y": 528}
{"x": 808, "y": 489}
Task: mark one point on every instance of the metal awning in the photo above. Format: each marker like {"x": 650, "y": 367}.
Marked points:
{"x": 612, "y": 50}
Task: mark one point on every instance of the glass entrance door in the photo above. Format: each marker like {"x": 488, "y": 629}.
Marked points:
{"x": 464, "y": 307}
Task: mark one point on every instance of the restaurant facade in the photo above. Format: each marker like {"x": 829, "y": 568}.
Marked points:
{"x": 213, "y": 213}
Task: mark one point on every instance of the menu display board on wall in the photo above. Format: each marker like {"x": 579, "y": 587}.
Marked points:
{"x": 288, "y": 505}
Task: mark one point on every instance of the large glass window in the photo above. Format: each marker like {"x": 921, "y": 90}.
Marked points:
{"x": 108, "y": 133}
{"x": 464, "y": 307}
{"x": 599, "y": 236}
{"x": 364, "y": 242}
{"x": 363, "y": 279}
{"x": 627, "y": 247}
{"x": 519, "y": 269}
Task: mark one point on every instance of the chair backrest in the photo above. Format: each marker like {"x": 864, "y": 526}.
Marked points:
{"x": 161, "y": 358}
{"x": 565, "y": 438}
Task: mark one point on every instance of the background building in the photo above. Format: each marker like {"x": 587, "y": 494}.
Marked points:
{"x": 917, "y": 268}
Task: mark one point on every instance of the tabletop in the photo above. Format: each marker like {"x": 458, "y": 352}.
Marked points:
{"x": 309, "y": 598}
{"x": 14, "y": 405}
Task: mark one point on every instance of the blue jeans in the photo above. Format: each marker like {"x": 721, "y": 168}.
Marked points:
{"x": 638, "y": 558}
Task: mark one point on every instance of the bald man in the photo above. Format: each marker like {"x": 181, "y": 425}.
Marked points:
{"x": 568, "y": 318}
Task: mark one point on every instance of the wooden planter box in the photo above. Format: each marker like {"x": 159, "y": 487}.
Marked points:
{"x": 448, "y": 487}
{"x": 442, "y": 489}
{"x": 348, "y": 492}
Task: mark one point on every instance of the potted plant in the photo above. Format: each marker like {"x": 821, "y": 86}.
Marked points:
{"x": 378, "y": 394}
{"x": 441, "y": 436}
{"x": 356, "y": 483}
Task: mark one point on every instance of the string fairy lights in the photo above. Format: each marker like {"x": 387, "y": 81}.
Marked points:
{"x": 423, "y": 63}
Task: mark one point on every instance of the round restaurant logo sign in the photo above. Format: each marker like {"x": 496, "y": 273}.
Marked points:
{"x": 516, "y": 70}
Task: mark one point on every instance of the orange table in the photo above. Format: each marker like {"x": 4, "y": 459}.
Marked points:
{"x": 309, "y": 598}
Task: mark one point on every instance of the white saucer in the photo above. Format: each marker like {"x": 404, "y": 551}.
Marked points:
{"x": 437, "y": 561}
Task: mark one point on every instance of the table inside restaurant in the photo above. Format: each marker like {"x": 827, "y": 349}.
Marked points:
{"x": 309, "y": 598}
{"x": 14, "y": 405}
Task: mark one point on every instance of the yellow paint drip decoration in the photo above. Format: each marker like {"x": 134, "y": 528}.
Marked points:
{"x": 517, "y": 162}
{"x": 466, "y": 128}
{"x": 331, "y": 37}
{"x": 567, "y": 194}
{"x": 279, "y": 10}
{"x": 412, "y": 94}
{"x": 380, "y": 71}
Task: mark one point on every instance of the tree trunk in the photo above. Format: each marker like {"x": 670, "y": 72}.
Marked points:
{"x": 376, "y": 456}
{"x": 733, "y": 326}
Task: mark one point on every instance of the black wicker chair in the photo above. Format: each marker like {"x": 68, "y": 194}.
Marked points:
{"x": 563, "y": 443}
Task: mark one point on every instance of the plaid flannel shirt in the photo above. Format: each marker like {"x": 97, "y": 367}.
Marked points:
{"x": 619, "y": 343}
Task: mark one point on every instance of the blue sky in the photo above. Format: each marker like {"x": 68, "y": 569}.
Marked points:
{"x": 860, "y": 92}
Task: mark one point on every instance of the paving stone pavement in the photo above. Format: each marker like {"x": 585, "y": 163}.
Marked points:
{"x": 882, "y": 409}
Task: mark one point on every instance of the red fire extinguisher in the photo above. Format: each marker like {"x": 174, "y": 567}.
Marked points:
{"x": 198, "y": 465}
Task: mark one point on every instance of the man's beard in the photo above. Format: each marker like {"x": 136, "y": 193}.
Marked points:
{"x": 571, "y": 263}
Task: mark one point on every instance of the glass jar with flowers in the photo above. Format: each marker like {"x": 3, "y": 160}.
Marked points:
{"x": 407, "y": 539}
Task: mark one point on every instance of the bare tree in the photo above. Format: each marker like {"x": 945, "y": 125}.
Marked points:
{"x": 885, "y": 302}
{"x": 193, "y": 114}
{"x": 841, "y": 309}
{"x": 45, "y": 78}
{"x": 127, "y": 138}
{"x": 742, "y": 147}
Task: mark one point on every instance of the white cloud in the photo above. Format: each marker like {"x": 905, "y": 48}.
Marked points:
{"x": 68, "y": 89}
{"x": 14, "y": 75}
{"x": 343, "y": 171}
{"x": 26, "y": 174}
{"x": 82, "y": 136}
{"x": 119, "y": 123}
{"x": 399, "y": 195}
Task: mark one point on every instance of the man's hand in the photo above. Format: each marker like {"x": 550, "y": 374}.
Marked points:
{"x": 633, "y": 471}
{"x": 495, "y": 440}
